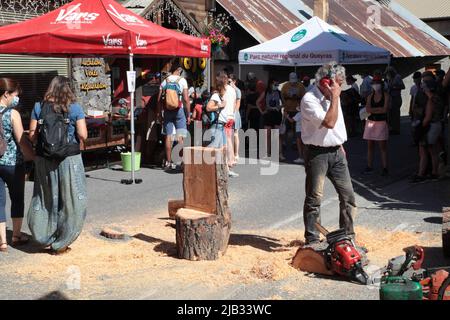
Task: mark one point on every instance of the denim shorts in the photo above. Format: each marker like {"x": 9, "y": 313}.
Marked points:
{"x": 218, "y": 136}
{"x": 175, "y": 123}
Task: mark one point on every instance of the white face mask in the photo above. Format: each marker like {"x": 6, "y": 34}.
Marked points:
{"x": 376, "y": 87}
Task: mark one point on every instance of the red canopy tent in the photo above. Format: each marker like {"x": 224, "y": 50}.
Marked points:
{"x": 99, "y": 28}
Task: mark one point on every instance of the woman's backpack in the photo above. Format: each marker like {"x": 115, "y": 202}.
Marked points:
{"x": 209, "y": 118}
{"x": 172, "y": 93}
{"x": 53, "y": 137}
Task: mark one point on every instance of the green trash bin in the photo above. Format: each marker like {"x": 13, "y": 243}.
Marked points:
{"x": 126, "y": 161}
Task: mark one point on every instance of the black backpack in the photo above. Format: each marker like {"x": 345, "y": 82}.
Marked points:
{"x": 53, "y": 138}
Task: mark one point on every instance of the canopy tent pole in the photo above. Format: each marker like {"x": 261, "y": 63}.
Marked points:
{"x": 239, "y": 72}
{"x": 209, "y": 75}
{"x": 132, "y": 123}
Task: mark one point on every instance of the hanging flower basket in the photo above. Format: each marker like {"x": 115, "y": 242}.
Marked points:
{"x": 215, "y": 28}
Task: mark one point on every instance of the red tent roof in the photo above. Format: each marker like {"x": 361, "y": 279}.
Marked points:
{"x": 97, "y": 27}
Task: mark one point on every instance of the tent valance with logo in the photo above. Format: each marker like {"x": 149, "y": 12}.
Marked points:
{"x": 99, "y": 28}
{"x": 315, "y": 42}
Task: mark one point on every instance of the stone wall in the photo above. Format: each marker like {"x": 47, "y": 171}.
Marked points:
{"x": 92, "y": 84}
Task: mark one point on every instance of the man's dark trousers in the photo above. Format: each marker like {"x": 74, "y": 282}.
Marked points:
{"x": 321, "y": 162}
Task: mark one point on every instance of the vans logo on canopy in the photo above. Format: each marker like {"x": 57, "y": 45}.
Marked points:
{"x": 141, "y": 43}
{"x": 74, "y": 15}
{"x": 126, "y": 18}
{"x": 299, "y": 35}
{"x": 112, "y": 42}
{"x": 203, "y": 47}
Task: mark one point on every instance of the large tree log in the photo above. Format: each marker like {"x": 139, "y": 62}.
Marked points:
{"x": 446, "y": 231}
{"x": 205, "y": 185}
{"x": 199, "y": 235}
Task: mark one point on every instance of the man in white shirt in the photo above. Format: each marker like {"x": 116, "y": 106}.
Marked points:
{"x": 323, "y": 134}
{"x": 175, "y": 121}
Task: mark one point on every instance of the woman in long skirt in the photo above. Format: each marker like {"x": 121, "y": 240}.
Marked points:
{"x": 58, "y": 207}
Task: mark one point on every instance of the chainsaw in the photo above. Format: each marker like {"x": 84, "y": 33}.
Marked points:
{"x": 341, "y": 255}
{"x": 435, "y": 282}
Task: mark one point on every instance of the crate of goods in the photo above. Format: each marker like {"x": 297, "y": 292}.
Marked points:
{"x": 96, "y": 133}
{"x": 117, "y": 132}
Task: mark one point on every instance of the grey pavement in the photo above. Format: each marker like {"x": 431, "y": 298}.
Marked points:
{"x": 268, "y": 202}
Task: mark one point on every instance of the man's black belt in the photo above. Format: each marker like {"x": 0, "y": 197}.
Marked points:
{"x": 323, "y": 149}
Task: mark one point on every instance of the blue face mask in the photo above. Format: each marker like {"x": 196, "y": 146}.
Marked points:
{"x": 15, "y": 102}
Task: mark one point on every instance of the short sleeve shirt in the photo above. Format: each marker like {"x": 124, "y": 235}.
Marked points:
{"x": 230, "y": 99}
{"x": 75, "y": 113}
{"x": 314, "y": 108}
{"x": 223, "y": 113}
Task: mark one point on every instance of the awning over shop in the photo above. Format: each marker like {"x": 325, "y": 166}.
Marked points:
{"x": 314, "y": 43}
{"x": 101, "y": 27}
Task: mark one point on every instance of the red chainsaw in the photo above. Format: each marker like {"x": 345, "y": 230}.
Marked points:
{"x": 341, "y": 255}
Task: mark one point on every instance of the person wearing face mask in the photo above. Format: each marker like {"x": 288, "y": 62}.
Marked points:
{"x": 272, "y": 114}
{"x": 12, "y": 172}
{"x": 291, "y": 94}
{"x": 395, "y": 86}
{"x": 323, "y": 136}
{"x": 376, "y": 129}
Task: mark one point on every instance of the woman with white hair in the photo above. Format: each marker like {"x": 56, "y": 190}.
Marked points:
{"x": 323, "y": 134}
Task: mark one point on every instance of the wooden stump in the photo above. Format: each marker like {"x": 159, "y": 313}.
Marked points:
{"x": 446, "y": 231}
{"x": 203, "y": 224}
{"x": 310, "y": 260}
{"x": 173, "y": 207}
{"x": 199, "y": 235}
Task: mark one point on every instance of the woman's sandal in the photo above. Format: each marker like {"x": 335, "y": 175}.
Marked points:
{"x": 3, "y": 247}
{"x": 60, "y": 251}
{"x": 19, "y": 240}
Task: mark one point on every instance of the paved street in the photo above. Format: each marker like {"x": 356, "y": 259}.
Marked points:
{"x": 267, "y": 216}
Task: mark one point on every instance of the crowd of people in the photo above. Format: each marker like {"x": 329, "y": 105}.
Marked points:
{"x": 371, "y": 111}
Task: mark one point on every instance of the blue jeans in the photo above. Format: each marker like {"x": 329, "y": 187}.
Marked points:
{"x": 331, "y": 163}
{"x": 218, "y": 136}
{"x": 58, "y": 207}
{"x": 14, "y": 178}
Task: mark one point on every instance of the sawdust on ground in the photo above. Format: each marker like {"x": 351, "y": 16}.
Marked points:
{"x": 148, "y": 259}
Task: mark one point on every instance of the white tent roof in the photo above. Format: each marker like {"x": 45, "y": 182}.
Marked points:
{"x": 315, "y": 42}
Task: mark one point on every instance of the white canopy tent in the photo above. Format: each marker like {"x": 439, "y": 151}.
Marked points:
{"x": 315, "y": 42}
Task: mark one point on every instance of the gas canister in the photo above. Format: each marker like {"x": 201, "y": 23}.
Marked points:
{"x": 400, "y": 288}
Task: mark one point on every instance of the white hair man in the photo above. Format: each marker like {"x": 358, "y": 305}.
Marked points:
{"x": 324, "y": 133}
